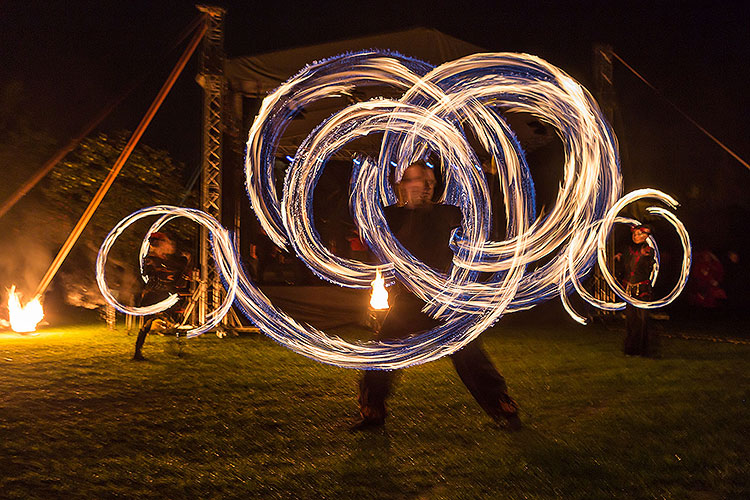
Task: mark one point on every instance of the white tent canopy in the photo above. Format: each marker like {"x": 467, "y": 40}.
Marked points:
{"x": 255, "y": 76}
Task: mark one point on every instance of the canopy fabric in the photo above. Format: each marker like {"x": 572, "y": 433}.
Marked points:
{"x": 256, "y": 76}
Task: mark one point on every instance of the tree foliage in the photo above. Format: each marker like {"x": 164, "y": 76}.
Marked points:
{"x": 150, "y": 177}
{"x": 34, "y": 230}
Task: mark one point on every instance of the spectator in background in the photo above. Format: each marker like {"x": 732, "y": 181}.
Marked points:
{"x": 706, "y": 275}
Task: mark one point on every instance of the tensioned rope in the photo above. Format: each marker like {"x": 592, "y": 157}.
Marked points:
{"x": 124, "y": 155}
{"x": 684, "y": 114}
{"x": 726, "y": 148}
{"x": 98, "y": 119}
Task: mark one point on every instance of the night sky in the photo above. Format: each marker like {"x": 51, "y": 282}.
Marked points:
{"x": 71, "y": 57}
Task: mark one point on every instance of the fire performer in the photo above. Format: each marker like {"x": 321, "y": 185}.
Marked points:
{"x": 425, "y": 228}
{"x": 166, "y": 270}
{"x": 637, "y": 264}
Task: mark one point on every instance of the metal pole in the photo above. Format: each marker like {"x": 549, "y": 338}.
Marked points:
{"x": 604, "y": 89}
{"x": 211, "y": 78}
{"x": 50, "y": 164}
{"x": 99, "y": 196}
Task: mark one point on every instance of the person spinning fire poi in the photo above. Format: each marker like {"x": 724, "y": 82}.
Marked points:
{"x": 424, "y": 229}
{"x": 637, "y": 263}
{"x": 166, "y": 270}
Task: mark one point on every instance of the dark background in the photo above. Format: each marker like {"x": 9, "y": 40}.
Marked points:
{"x": 72, "y": 57}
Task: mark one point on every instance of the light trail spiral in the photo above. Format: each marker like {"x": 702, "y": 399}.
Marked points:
{"x": 437, "y": 108}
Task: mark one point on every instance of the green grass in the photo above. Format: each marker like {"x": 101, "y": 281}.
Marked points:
{"x": 244, "y": 417}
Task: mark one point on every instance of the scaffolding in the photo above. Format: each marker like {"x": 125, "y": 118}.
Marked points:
{"x": 604, "y": 89}
{"x": 211, "y": 78}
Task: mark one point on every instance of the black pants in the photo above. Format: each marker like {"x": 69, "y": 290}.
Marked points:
{"x": 638, "y": 341}
{"x": 171, "y": 316}
{"x": 141, "y": 339}
{"x": 475, "y": 369}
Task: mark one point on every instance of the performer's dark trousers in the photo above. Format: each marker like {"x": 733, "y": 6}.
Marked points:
{"x": 638, "y": 342}
{"x": 472, "y": 365}
{"x": 170, "y": 316}
{"x": 142, "y": 334}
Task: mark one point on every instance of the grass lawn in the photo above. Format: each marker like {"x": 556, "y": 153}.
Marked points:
{"x": 246, "y": 418}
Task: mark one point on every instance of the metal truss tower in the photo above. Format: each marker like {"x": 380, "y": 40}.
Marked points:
{"x": 604, "y": 90}
{"x": 211, "y": 78}
{"x": 604, "y": 86}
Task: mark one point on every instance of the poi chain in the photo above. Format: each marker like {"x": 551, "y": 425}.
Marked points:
{"x": 437, "y": 107}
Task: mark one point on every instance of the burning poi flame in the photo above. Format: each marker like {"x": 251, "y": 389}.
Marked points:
{"x": 23, "y": 318}
{"x": 379, "y": 296}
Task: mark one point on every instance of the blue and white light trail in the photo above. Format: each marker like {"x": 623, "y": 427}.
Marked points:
{"x": 437, "y": 109}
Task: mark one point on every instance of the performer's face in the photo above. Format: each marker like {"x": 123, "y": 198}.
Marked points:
{"x": 640, "y": 235}
{"x": 429, "y": 183}
{"x": 414, "y": 186}
{"x": 162, "y": 248}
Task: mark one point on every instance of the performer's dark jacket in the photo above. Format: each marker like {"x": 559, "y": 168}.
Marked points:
{"x": 637, "y": 263}
{"x": 425, "y": 232}
{"x": 165, "y": 276}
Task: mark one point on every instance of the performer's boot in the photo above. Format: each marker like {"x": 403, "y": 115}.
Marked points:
{"x": 505, "y": 413}
{"x": 374, "y": 387}
{"x": 487, "y": 385}
{"x": 509, "y": 410}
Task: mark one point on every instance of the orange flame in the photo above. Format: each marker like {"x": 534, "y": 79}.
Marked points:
{"x": 23, "y": 318}
{"x": 379, "y": 296}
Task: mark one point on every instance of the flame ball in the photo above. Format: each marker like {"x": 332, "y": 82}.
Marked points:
{"x": 23, "y": 318}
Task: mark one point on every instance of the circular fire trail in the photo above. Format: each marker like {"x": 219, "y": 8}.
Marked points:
{"x": 437, "y": 109}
